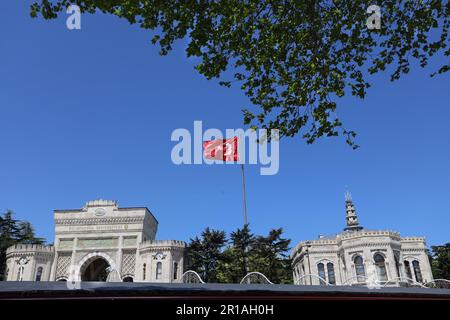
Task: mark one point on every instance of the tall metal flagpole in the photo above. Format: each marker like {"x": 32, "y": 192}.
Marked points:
{"x": 243, "y": 193}
{"x": 245, "y": 214}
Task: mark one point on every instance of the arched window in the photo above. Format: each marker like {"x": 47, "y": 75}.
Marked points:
{"x": 359, "y": 268}
{"x": 380, "y": 266}
{"x": 39, "y": 274}
{"x": 321, "y": 271}
{"x": 331, "y": 276}
{"x": 408, "y": 270}
{"x": 175, "y": 271}
{"x": 144, "y": 271}
{"x": 158, "y": 270}
{"x": 127, "y": 279}
{"x": 417, "y": 271}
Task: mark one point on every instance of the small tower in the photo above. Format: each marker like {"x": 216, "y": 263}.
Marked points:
{"x": 352, "y": 218}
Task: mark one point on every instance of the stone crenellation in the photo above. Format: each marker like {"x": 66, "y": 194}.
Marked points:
{"x": 101, "y": 203}
{"x": 29, "y": 248}
{"x": 163, "y": 243}
{"x": 413, "y": 239}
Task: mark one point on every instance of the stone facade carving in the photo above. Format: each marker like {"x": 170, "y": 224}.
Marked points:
{"x": 62, "y": 265}
{"x": 128, "y": 262}
{"x": 96, "y": 239}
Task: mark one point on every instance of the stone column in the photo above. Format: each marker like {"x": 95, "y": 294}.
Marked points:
{"x": 150, "y": 260}
{"x": 74, "y": 254}
{"x": 53, "y": 269}
{"x": 170, "y": 268}
{"x": 119, "y": 257}
{"x": 33, "y": 267}
{"x": 425, "y": 267}
{"x": 338, "y": 268}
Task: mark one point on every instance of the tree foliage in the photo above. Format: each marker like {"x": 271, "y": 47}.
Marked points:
{"x": 203, "y": 254}
{"x": 440, "y": 261}
{"x": 13, "y": 231}
{"x": 242, "y": 253}
{"x": 274, "y": 261}
{"x": 237, "y": 256}
{"x": 27, "y": 234}
{"x": 293, "y": 59}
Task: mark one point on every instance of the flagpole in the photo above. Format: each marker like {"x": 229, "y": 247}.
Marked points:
{"x": 245, "y": 214}
{"x": 243, "y": 194}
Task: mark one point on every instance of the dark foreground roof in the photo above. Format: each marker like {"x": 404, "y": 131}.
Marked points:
{"x": 126, "y": 290}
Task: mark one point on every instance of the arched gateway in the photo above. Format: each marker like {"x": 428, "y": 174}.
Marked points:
{"x": 95, "y": 266}
{"x": 100, "y": 242}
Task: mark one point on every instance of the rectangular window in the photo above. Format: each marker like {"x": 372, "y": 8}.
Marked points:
{"x": 158, "y": 270}
{"x": 175, "y": 271}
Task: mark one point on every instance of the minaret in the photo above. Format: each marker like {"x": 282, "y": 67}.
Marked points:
{"x": 352, "y": 218}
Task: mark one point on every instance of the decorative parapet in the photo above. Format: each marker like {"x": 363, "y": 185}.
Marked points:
{"x": 100, "y": 203}
{"x": 316, "y": 242}
{"x": 29, "y": 249}
{"x": 413, "y": 244}
{"x": 371, "y": 233}
{"x": 412, "y": 239}
{"x": 176, "y": 243}
{"x": 301, "y": 246}
{"x": 162, "y": 244}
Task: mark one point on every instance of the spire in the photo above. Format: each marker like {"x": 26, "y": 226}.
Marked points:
{"x": 348, "y": 196}
{"x": 352, "y": 218}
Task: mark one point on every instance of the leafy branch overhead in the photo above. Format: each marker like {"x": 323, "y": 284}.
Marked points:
{"x": 293, "y": 59}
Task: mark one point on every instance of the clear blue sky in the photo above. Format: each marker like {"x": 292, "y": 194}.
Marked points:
{"x": 88, "y": 114}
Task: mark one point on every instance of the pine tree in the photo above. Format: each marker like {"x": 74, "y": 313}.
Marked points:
{"x": 237, "y": 257}
{"x": 272, "y": 257}
{"x": 245, "y": 253}
{"x": 229, "y": 269}
{"x": 205, "y": 253}
{"x": 27, "y": 234}
{"x": 9, "y": 234}
{"x": 242, "y": 242}
{"x": 440, "y": 261}
{"x": 13, "y": 231}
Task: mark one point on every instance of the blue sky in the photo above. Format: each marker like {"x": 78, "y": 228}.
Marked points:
{"x": 88, "y": 114}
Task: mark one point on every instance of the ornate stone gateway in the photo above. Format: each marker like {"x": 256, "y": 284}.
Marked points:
{"x": 94, "y": 266}
{"x": 100, "y": 242}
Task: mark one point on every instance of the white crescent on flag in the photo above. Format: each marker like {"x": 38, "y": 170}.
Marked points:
{"x": 221, "y": 149}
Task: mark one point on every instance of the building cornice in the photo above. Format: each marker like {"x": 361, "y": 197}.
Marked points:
{"x": 19, "y": 254}
{"x": 414, "y": 250}
{"x": 96, "y": 221}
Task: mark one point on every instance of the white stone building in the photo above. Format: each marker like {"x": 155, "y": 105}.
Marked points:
{"x": 361, "y": 257}
{"x": 97, "y": 243}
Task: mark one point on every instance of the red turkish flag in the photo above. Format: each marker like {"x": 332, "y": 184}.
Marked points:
{"x": 221, "y": 149}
